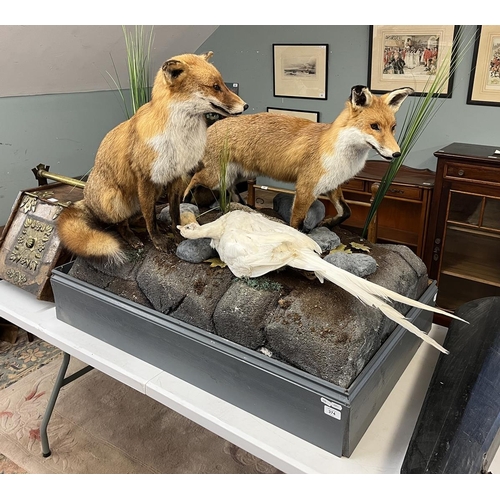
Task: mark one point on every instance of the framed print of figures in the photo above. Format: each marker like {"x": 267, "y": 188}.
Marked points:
{"x": 300, "y": 71}
{"x": 484, "y": 85}
{"x": 409, "y": 56}
{"x": 310, "y": 115}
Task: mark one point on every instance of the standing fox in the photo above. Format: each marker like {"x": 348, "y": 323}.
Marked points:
{"x": 317, "y": 157}
{"x": 157, "y": 147}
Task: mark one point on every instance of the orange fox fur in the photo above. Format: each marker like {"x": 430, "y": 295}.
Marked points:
{"x": 317, "y": 157}
{"x": 159, "y": 145}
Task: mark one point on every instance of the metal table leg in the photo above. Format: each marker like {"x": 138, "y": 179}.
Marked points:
{"x": 60, "y": 382}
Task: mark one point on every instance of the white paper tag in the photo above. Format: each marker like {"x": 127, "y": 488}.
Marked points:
{"x": 331, "y": 403}
{"x": 332, "y": 412}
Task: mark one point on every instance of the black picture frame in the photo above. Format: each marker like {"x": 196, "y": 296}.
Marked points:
{"x": 484, "y": 82}
{"x": 299, "y": 113}
{"x": 300, "y": 70}
{"x": 382, "y": 77}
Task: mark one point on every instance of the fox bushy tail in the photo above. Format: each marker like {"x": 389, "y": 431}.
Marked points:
{"x": 80, "y": 234}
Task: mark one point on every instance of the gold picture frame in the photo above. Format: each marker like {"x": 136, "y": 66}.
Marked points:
{"x": 309, "y": 115}
{"x": 300, "y": 70}
{"x": 484, "y": 84}
{"x": 409, "y": 56}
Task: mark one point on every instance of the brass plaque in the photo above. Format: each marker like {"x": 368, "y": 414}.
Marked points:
{"x": 29, "y": 246}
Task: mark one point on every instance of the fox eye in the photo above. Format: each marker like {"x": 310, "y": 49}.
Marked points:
{"x": 217, "y": 87}
{"x": 375, "y": 126}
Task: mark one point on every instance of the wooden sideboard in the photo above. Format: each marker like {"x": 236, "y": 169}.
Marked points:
{"x": 403, "y": 214}
{"x": 463, "y": 241}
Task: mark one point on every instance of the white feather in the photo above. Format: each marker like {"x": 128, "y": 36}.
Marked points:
{"x": 252, "y": 245}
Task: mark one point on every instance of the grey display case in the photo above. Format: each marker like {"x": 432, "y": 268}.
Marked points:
{"x": 326, "y": 415}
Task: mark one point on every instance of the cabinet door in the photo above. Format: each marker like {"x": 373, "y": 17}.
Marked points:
{"x": 470, "y": 260}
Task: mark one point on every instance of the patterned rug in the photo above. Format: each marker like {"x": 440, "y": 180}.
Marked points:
{"x": 22, "y": 357}
{"x": 99, "y": 425}
{"x": 16, "y": 361}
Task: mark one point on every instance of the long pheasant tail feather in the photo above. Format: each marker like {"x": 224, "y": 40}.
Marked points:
{"x": 383, "y": 292}
{"x": 396, "y": 316}
{"x": 356, "y": 286}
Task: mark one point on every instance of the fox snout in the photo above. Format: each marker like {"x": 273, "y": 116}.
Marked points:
{"x": 389, "y": 155}
{"x": 230, "y": 111}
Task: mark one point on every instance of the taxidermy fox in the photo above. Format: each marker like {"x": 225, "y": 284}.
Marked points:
{"x": 317, "y": 157}
{"x": 157, "y": 147}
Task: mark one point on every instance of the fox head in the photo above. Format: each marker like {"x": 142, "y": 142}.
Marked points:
{"x": 374, "y": 118}
{"x": 192, "y": 79}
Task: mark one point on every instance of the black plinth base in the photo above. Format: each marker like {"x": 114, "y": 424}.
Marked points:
{"x": 457, "y": 431}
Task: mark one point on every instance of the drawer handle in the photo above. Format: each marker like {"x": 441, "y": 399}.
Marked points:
{"x": 400, "y": 191}
{"x": 461, "y": 172}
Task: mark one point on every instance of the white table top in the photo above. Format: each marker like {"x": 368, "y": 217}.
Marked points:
{"x": 381, "y": 449}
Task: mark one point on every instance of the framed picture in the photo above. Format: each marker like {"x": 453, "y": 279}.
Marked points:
{"x": 484, "y": 85}
{"x": 310, "y": 115}
{"x": 409, "y": 56}
{"x": 300, "y": 71}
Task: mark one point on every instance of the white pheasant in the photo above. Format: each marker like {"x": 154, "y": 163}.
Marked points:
{"x": 252, "y": 245}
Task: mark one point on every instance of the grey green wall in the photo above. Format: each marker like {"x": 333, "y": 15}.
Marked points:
{"x": 64, "y": 130}
{"x": 60, "y": 130}
{"x": 244, "y": 54}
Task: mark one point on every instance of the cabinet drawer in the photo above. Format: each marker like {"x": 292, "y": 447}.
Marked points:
{"x": 477, "y": 173}
{"x": 354, "y": 185}
{"x": 411, "y": 193}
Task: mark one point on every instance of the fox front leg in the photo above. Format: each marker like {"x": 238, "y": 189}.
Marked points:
{"x": 301, "y": 204}
{"x": 175, "y": 190}
{"x": 148, "y": 194}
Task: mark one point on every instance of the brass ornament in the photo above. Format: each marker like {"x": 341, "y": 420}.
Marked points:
{"x": 31, "y": 244}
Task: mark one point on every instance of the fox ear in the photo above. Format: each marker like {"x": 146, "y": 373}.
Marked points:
{"x": 207, "y": 55}
{"x": 360, "y": 96}
{"x": 395, "y": 98}
{"x": 173, "y": 69}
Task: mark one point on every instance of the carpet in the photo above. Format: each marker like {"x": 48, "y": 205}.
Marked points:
{"x": 23, "y": 357}
{"x": 101, "y": 426}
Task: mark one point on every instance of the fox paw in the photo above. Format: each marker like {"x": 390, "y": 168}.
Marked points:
{"x": 162, "y": 243}
{"x": 134, "y": 242}
{"x": 331, "y": 222}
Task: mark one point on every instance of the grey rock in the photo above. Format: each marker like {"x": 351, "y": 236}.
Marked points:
{"x": 319, "y": 327}
{"x": 241, "y": 314}
{"x": 189, "y": 292}
{"x": 164, "y": 215}
{"x": 195, "y": 251}
{"x": 326, "y": 239}
{"x": 282, "y": 204}
{"x": 102, "y": 277}
{"x": 356, "y": 263}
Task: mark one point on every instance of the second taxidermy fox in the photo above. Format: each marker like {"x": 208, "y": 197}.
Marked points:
{"x": 317, "y": 157}
{"x": 159, "y": 145}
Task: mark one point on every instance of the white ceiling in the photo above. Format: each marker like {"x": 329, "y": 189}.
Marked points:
{"x": 64, "y": 59}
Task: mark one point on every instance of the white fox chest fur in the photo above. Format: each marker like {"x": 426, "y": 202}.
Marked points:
{"x": 347, "y": 159}
{"x": 180, "y": 146}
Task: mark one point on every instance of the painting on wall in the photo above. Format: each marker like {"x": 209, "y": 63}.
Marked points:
{"x": 409, "y": 56}
{"x": 309, "y": 115}
{"x": 300, "y": 71}
{"x": 484, "y": 85}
